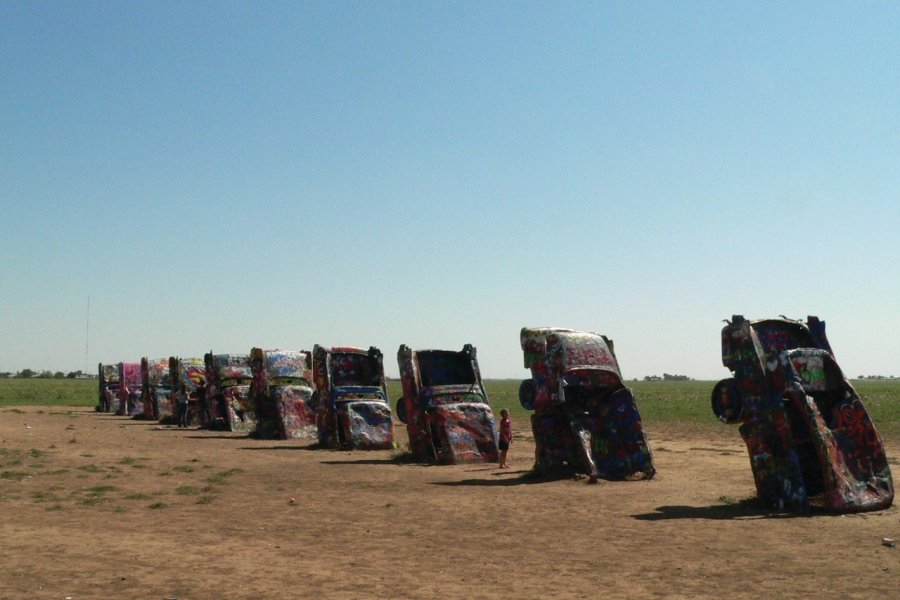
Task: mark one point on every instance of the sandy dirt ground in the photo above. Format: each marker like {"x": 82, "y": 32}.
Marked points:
{"x": 99, "y": 506}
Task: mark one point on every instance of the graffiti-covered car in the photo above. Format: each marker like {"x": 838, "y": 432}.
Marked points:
{"x": 353, "y": 410}
{"x": 188, "y": 377}
{"x": 809, "y": 436}
{"x": 108, "y": 398}
{"x": 226, "y": 404}
{"x": 445, "y": 407}
{"x": 282, "y": 393}
{"x": 130, "y": 389}
{"x": 156, "y": 388}
{"x": 585, "y": 419}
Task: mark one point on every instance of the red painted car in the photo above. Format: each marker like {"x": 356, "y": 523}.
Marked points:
{"x": 445, "y": 407}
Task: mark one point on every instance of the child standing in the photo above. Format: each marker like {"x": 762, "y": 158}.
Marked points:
{"x": 505, "y": 437}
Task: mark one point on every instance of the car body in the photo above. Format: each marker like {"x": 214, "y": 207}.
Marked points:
{"x": 282, "y": 393}
{"x": 130, "y": 389}
{"x": 227, "y": 404}
{"x": 188, "y": 377}
{"x": 585, "y": 419}
{"x": 353, "y": 411}
{"x": 156, "y": 388}
{"x": 108, "y": 377}
{"x": 445, "y": 407}
{"x": 809, "y": 436}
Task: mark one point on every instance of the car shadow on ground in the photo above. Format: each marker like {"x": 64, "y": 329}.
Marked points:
{"x": 506, "y": 479}
{"x": 364, "y": 461}
{"x": 749, "y": 508}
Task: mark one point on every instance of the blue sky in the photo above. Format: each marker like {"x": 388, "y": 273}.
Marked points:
{"x": 227, "y": 175}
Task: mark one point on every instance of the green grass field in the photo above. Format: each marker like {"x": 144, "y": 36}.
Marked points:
{"x": 658, "y": 401}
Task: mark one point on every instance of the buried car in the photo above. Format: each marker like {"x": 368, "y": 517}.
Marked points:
{"x": 445, "y": 407}
{"x": 226, "y": 403}
{"x": 156, "y": 388}
{"x": 108, "y": 399}
{"x": 809, "y": 436}
{"x": 189, "y": 377}
{"x": 353, "y": 410}
{"x": 585, "y": 419}
{"x": 281, "y": 392}
{"x": 130, "y": 389}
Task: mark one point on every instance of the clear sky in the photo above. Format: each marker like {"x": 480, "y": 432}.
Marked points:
{"x": 217, "y": 176}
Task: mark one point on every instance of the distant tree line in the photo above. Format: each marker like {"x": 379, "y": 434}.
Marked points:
{"x": 876, "y": 377}
{"x": 30, "y": 374}
{"x": 668, "y": 377}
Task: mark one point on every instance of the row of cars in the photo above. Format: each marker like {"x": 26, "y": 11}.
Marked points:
{"x": 335, "y": 395}
{"x": 809, "y": 437}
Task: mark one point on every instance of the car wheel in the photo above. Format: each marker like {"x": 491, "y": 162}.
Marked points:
{"x": 726, "y": 401}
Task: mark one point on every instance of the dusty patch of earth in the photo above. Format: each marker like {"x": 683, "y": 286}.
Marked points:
{"x": 98, "y": 506}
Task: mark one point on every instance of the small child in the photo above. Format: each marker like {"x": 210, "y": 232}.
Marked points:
{"x": 505, "y": 437}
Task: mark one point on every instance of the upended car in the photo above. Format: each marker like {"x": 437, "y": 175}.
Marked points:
{"x": 810, "y": 439}
{"x": 585, "y": 420}
{"x": 156, "y": 388}
{"x": 445, "y": 407}
{"x": 188, "y": 377}
{"x": 282, "y": 393}
{"x": 351, "y": 395}
{"x": 226, "y": 404}
{"x": 130, "y": 385}
{"x": 108, "y": 378}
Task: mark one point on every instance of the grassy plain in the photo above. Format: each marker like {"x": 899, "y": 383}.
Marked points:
{"x": 658, "y": 401}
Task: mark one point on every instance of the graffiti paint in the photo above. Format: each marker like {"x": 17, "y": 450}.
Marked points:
{"x": 108, "y": 392}
{"x": 156, "y": 388}
{"x": 585, "y": 419}
{"x": 226, "y": 404}
{"x": 188, "y": 375}
{"x": 130, "y": 390}
{"x": 445, "y": 406}
{"x": 810, "y": 439}
{"x": 351, "y": 395}
{"x": 282, "y": 393}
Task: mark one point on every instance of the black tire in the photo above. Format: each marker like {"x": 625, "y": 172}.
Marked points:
{"x": 726, "y": 401}
{"x": 401, "y": 410}
{"x": 526, "y": 394}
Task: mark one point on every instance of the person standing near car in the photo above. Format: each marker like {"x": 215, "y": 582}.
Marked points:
{"x": 182, "y": 408}
{"x": 505, "y": 437}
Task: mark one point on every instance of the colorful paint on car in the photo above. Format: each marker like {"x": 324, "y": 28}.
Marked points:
{"x": 227, "y": 404}
{"x": 810, "y": 439}
{"x": 585, "y": 419}
{"x": 282, "y": 393}
{"x": 445, "y": 406}
{"x": 353, "y": 410}
{"x": 130, "y": 389}
{"x": 108, "y": 398}
{"x": 189, "y": 376}
{"x": 156, "y": 388}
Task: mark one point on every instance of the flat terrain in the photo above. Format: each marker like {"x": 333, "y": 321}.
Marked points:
{"x": 99, "y": 506}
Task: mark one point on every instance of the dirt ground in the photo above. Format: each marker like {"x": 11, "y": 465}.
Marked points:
{"x": 99, "y": 506}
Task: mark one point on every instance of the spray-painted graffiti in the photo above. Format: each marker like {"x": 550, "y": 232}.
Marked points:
{"x": 108, "y": 398}
{"x": 156, "y": 388}
{"x": 188, "y": 377}
{"x": 282, "y": 393}
{"x": 445, "y": 406}
{"x": 810, "y": 439}
{"x": 226, "y": 404}
{"x": 584, "y": 418}
{"x": 353, "y": 410}
{"x": 130, "y": 389}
